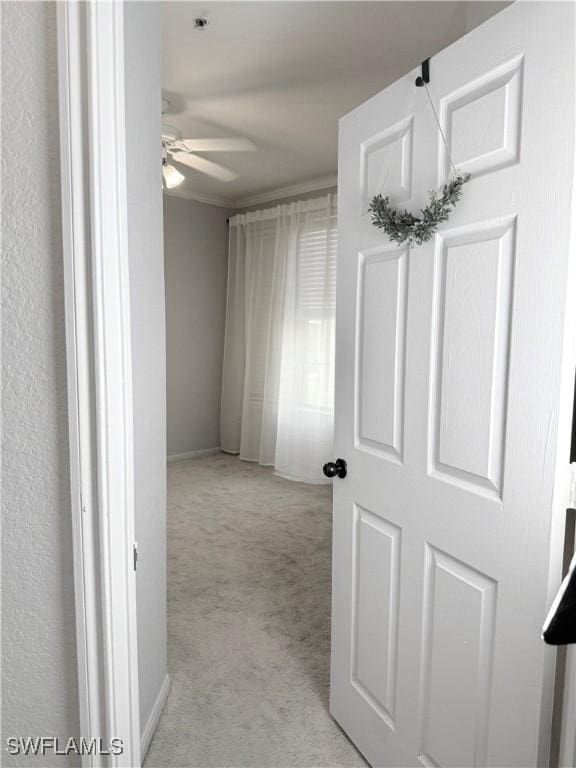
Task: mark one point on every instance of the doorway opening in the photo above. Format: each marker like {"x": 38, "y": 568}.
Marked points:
{"x": 458, "y": 479}
{"x": 252, "y": 94}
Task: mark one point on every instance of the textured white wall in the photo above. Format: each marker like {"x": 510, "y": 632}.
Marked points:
{"x": 196, "y": 258}
{"x": 39, "y": 676}
{"x": 143, "y": 116}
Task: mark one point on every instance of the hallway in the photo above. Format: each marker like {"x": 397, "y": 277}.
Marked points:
{"x": 248, "y": 621}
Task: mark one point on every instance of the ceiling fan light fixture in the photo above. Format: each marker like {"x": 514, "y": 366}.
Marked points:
{"x": 172, "y": 177}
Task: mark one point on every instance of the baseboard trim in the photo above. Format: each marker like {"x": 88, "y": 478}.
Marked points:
{"x": 148, "y": 732}
{"x": 191, "y": 455}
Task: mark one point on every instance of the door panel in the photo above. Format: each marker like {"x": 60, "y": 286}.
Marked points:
{"x": 469, "y": 374}
{"x": 449, "y": 368}
{"x": 482, "y": 121}
{"x": 386, "y": 161}
{"x": 457, "y": 662}
{"x": 375, "y": 611}
{"x": 382, "y": 303}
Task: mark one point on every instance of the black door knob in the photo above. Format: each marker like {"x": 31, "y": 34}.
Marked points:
{"x": 335, "y": 468}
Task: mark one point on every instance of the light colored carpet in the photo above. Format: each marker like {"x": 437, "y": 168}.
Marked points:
{"x": 248, "y": 621}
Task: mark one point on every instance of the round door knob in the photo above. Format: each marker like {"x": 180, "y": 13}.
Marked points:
{"x": 335, "y": 468}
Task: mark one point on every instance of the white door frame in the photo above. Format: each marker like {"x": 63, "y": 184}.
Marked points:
{"x": 567, "y": 752}
{"x": 98, "y": 342}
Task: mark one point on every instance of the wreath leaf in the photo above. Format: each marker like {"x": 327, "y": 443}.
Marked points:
{"x": 404, "y": 227}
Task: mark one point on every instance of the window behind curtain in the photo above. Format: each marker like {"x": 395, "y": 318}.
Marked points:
{"x": 316, "y": 309}
{"x": 278, "y": 379}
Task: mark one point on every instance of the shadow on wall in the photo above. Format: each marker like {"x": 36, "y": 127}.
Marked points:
{"x": 196, "y": 262}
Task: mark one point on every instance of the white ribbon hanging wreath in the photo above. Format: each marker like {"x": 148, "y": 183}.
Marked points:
{"x": 403, "y": 226}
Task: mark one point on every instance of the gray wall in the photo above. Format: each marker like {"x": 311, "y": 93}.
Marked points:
{"x": 143, "y": 70}
{"x": 39, "y": 676}
{"x": 196, "y": 259}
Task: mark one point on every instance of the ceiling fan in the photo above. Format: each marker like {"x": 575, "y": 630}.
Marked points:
{"x": 184, "y": 151}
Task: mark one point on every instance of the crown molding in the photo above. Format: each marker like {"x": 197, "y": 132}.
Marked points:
{"x": 199, "y": 197}
{"x": 279, "y": 193}
{"x": 312, "y": 185}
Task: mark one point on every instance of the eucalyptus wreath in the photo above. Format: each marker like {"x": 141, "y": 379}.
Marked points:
{"x": 404, "y": 227}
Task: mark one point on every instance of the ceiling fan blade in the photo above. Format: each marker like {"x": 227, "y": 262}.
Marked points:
{"x": 219, "y": 145}
{"x": 204, "y": 166}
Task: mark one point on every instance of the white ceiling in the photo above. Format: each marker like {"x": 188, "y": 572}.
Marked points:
{"x": 283, "y": 73}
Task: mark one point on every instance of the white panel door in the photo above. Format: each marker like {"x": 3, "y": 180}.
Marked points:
{"x": 449, "y": 371}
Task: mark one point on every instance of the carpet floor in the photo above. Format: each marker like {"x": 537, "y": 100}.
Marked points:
{"x": 248, "y": 622}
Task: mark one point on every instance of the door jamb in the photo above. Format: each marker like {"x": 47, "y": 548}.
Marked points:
{"x": 567, "y": 756}
{"x": 99, "y": 371}
{"x": 99, "y": 378}
{"x": 567, "y": 746}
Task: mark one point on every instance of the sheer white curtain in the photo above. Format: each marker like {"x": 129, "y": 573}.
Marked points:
{"x": 278, "y": 378}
